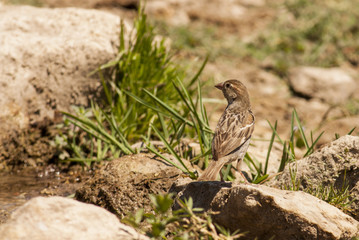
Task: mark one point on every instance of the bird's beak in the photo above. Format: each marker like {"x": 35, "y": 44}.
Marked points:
{"x": 219, "y": 86}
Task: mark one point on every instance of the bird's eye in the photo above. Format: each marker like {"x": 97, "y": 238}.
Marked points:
{"x": 227, "y": 85}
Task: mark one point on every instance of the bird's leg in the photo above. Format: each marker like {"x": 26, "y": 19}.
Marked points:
{"x": 238, "y": 168}
{"x": 244, "y": 177}
{"x": 221, "y": 175}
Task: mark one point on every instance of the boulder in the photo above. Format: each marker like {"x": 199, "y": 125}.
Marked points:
{"x": 265, "y": 212}
{"x": 336, "y": 164}
{"x": 340, "y": 126}
{"x": 123, "y": 185}
{"x": 63, "y": 218}
{"x": 46, "y": 56}
{"x": 244, "y": 13}
{"x": 332, "y": 85}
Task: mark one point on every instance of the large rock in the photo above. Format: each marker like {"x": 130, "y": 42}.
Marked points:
{"x": 46, "y": 56}
{"x": 332, "y": 85}
{"x": 93, "y": 3}
{"x": 341, "y": 126}
{"x": 331, "y": 165}
{"x": 233, "y": 13}
{"x": 62, "y": 218}
{"x": 123, "y": 185}
{"x": 266, "y": 212}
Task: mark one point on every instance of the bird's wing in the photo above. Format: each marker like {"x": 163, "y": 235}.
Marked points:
{"x": 232, "y": 131}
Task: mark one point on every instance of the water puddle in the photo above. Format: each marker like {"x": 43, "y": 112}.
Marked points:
{"x": 17, "y": 188}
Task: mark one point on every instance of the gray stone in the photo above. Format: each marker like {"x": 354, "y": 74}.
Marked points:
{"x": 62, "y": 218}
{"x": 332, "y": 85}
{"x": 46, "y": 56}
{"x": 265, "y": 212}
{"x": 331, "y": 165}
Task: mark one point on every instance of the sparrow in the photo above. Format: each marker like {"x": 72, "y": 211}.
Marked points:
{"x": 233, "y": 132}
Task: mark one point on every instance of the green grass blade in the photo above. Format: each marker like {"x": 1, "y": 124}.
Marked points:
{"x": 192, "y": 107}
{"x": 284, "y": 158}
{"x": 153, "y": 150}
{"x": 351, "y": 131}
{"x": 292, "y": 128}
{"x": 276, "y": 133}
{"x": 310, "y": 150}
{"x": 290, "y": 150}
{"x": 198, "y": 130}
{"x": 113, "y": 124}
{"x": 163, "y": 126}
{"x": 108, "y": 93}
{"x": 208, "y": 152}
{"x": 147, "y": 104}
{"x": 89, "y": 127}
{"x": 249, "y": 158}
{"x": 260, "y": 179}
{"x": 195, "y": 77}
{"x": 226, "y": 172}
{"x": 300, "y": 127}
{"x": 173, "y": 113}
{"x": 172, "y": 151}
{"x": 270, "y": 148}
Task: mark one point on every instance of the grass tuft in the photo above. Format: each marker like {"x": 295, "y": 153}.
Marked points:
{"x": 340, "y": 197}
{"x": 259, "y": 172}
{"x": 186, "y": 223}
{"x": 146, "y": 96}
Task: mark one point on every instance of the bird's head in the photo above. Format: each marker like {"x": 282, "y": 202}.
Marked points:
{"x": 235, "y": 92}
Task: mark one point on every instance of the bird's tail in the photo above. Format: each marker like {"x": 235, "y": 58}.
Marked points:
{"x": 211, "y": 172}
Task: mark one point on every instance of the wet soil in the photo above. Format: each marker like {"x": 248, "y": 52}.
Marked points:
{"x": 33, "y": 147}
{"x": 30, "y": 167}
{"x": 17, "y": 187}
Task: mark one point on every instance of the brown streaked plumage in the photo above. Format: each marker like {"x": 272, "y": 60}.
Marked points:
{"x": 234, "y": 129}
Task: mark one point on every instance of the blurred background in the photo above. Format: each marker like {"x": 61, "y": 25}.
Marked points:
{"x": 299, "y": 54}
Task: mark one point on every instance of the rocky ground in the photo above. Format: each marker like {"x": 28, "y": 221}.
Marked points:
{"x": 43, "y": 50}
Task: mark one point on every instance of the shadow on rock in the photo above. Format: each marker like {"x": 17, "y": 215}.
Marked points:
{"x": 203, "y": 192}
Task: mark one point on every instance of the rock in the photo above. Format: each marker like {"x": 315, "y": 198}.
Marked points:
{"x": 332, "y": 85}
{"x": 167, "y": 11}
{"x": 232, "y": 13}
{"x": 270, "y": 84}
{"x": 223, "y": 12}
{"x": 124, "y": 184}
{"x": 341, "y": 126}
{"x": 181, "y": 12}
{"x": 265, "y": 212}
{"x": 93, "y": 3}
{"x": 63, "y": 218}
{"x": 328, "y": 166}
{"x": 4, "y": 214}
{"x": 252, "y": 3}
{"x": 179, "y": 185}
{"x": 305, "y": 109}
{"x": 46, "y": 57}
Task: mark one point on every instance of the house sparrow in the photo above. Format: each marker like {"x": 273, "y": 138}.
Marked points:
{"x": 234, "y": 130}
